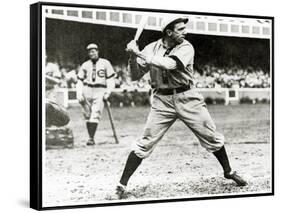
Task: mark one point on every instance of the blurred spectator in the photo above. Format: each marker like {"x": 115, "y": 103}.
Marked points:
{"x": 52, "y": 68}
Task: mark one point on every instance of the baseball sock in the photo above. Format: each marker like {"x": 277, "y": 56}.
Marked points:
{"x": 131, "y": 166}
{"x": 91, "y": 127}
{"x": 222, "y": 157}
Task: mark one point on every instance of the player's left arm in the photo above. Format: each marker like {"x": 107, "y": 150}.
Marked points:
{"x": 183, "y": 56}
{"x": 110, "y": 80}
{"x": 165, "y": 63}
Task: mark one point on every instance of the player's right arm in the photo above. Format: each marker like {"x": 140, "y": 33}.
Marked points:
{"x": 136, "y": 69}
{"x": 79, "y": 86}
{"x": 137, "y": 66}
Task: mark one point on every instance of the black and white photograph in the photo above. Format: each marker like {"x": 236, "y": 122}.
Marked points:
{"x": 152, "y": 105}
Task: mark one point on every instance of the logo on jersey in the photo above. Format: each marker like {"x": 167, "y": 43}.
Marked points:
{"x": 101, "y": 73}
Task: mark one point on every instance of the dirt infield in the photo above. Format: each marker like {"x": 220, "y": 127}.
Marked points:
{"x": 178, "y": 167}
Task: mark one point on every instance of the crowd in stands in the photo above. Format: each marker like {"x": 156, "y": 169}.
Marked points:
{"x": 209, "y": 76}
{"x": 206, "y": 76}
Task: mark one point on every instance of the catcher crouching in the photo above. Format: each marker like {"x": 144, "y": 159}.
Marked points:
{"x": 58, "y": 134}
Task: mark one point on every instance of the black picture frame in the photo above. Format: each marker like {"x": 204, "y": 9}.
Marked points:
{"x": 36, "y": 118}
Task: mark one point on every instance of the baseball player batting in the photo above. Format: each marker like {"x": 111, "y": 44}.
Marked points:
{"x": 94, "y": 86}
{"x": 169, "y": 61}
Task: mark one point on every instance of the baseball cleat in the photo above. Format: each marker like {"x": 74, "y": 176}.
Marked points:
{"x": 90, "y": 142}
{"x": 119, "y": 192}
{"x": 234, "y": 176}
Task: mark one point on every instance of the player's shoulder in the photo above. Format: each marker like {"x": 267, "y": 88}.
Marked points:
{"x": 86, "y": 63}
{"x": 154, "y": 42}
{"x": 149, "y": 48}
{"x": 104, "y": 61}
{"x": 152, "y": 45}
{"x": 186, "y": 43}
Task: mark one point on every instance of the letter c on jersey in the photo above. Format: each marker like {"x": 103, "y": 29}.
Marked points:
{"x": 101, "y": 73}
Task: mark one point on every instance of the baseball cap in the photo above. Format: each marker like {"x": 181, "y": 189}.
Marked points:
{"x": 92, "y": 46}
{"x": 170, "y": 19}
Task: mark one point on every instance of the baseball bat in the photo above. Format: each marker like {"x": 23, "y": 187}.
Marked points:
{"x": 111, "y": 122}
{"x": 141, "y": 26}
{"x": 53, "y": 80}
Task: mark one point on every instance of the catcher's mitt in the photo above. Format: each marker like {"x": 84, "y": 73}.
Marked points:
{"x": 55, "y": 114}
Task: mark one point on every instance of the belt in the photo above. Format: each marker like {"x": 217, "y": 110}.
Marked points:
{"x": 172, "y": 91}
{"x": 95, "y": 85}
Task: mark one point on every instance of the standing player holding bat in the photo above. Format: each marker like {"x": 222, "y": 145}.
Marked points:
{"x": 170, "y": 63}
{"x": 94, "y": 86}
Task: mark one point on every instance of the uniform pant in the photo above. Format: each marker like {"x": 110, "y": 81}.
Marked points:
{"x": 190, "y": 108}
{"x": 95, "y": 97}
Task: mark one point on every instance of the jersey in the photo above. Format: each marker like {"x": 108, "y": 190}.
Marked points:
{"x": 183, "y": 54}
{"x": 96, "y": 73}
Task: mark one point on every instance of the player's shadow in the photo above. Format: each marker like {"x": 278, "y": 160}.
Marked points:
{"x": 24, "y": 203}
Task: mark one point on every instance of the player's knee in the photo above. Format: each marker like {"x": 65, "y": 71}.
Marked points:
{"x": 95, "y": 117}
{"x": 141, "y": 149}
{"x": 212, "y": 142}
{"x": 94, "y": 120}
{"x": 142, "y": 154}
{"x": 217, "y": 141}
{"x": 219, "y": 138}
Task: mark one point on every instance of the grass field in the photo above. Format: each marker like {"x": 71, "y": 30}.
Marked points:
{"x": 178, "y": 167}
